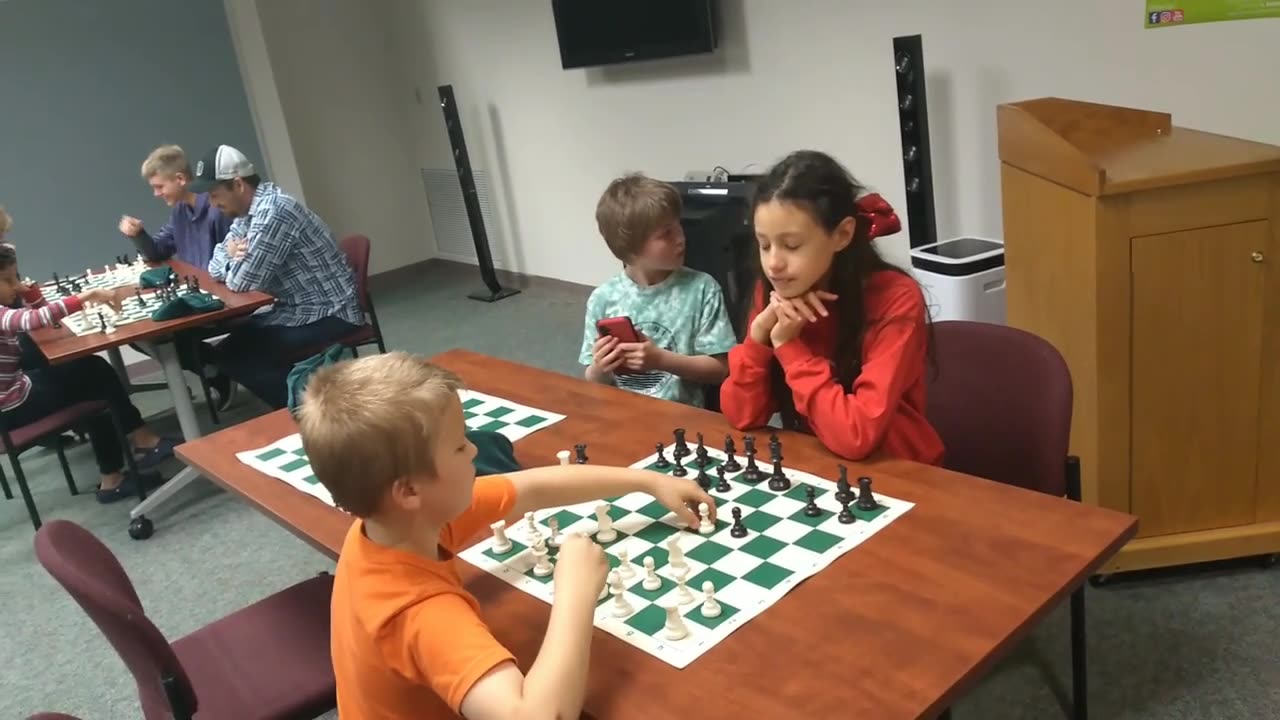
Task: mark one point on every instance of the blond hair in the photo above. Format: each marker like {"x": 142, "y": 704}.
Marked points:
{"x": 6, "y": 221}
{"x": 631, "y": 208}
{"x": 167, "y": 160}
{"x": 368, "y": 422}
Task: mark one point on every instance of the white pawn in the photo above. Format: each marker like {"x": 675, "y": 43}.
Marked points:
{"x": 675, "y": 627}
{"x": 604, "y": 587}
{"x": 683, "y": 595}
{"x": 501, "y": 543}
{"x": 606, "y": 533}
{"x": 554, "y": 524}
{"x": 651, "y": 579}
{"x": 542, "y": 567}
{"x": 625, "y": 568}
{"x": 705, "y": 527}
{"x": 531, "y": 524}
{"x": 710, "y": 606}
{"x": 621, "y": 608}
{"x": 675, "y": 554}
{"x": 563, "y": 457}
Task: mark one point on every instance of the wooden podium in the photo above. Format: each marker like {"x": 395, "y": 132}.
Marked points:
{"x": 1147, "y": 254}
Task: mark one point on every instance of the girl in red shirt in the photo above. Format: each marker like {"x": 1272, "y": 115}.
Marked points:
{"x": 838, "y": 338}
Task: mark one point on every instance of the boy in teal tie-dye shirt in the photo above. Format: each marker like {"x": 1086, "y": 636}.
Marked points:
{"x": 679, "y": 312}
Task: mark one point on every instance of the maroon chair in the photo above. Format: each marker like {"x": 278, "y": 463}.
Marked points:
{"x": 52, "y": 716}
{"x": 15, "y": 441}
{"x": 266, "y": 661}
{"x": 1001, "y": 400}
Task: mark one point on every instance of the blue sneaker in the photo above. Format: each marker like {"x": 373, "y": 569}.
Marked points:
{"x": 151, "y": 457}
{"x": 128, "y": 487}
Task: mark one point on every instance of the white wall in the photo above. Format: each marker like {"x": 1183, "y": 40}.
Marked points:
{"x": 342, "y": 97}
{"x": 809, "y": 73}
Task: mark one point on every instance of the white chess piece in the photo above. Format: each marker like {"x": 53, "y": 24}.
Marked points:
{"x": 621, "y": 608}
{"x": 710, "y": 606}
{"x": 606, "y": 533}
{"x": 542, "y": 567}
{"x": 531, "y": 525}
{"x": 675, "y": 554}
{"x": 563, "y": 457}
{"x": 604, "y": 587}
{"x": 501, "y": 543}
{"x": 683, "y": 595}
{"x": 651, "y": 580}
{"x": 674, "y": 629}
{"x": 625, "y": 568}
{"x": 554, "y": 524}
{"x": 705, "y": 526}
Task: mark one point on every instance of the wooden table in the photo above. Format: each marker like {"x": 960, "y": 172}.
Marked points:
{"x": 60, "y": 345}
{"x": 896, "y": 628}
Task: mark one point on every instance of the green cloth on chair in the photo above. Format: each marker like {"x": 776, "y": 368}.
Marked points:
{"x": 156, "y": 277}
{"x": 304, "y": 369}
{"x": 495, "y": 455}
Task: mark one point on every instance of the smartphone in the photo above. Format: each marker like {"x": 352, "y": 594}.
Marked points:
{"x": 619, "y": 327}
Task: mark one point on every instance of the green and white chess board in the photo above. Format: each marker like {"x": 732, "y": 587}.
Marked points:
{"x": 286, "y": 460}
{"x": 783, "y": 546}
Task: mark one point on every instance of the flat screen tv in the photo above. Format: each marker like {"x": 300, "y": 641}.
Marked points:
{"x": 606, "y": 32}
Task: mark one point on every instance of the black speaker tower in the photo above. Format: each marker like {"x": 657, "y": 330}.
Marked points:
{"x": 913, "y": 121}
{"x": 471, "y": 198}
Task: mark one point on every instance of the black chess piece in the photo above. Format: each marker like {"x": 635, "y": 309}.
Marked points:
{"x": 102, "y": 322}
{"x": 731, "y": 464}
{"x": 679, "y": 470}
{"x": 723, "y": 484}
{"x": 682, "y": 447}
{"x": 704, "y": 480}
{"x": 842, "y": 486}
{"x": 752, "y": 472}
{"x": 738, "y": 530}
{"x": 662, "y": 463}
{"x": 775, "y": 444}
{"x": 581, "y": 450}
{"x": 749, "y": 444}
{"x": 866, "y": 501}
{"x": 778, "y": 481}
{"x": 701, "y": 457}
{"x": 845, "y": 517}
{"x": 811, "y": 508}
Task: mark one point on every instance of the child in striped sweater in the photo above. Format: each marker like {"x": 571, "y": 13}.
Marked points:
{"x": 26, "y": 395}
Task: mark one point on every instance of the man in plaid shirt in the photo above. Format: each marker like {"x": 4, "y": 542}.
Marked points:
{"x": 277, "y": 246}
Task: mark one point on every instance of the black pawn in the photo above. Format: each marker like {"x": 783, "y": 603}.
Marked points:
{"x": 682, "y": 447}
{"x": 679, "y": 470}
{"x": 845, "y": 516}
{"x": 730, "y": 465}
{"x": 778, "y": 481}
{"x": 704, "y": 480}
{"x": 811, "y": 508}
{"x": 723, "y": 484}
{"x": 738, "y": 530}
{"x": 866, "y": 501}
{"x": 749, "y": 444}
{"x": 752, "y": 472}
{"x": 662, "y": 463}
{"x": 581, "y": 450}
{"x": 843, "y": 495}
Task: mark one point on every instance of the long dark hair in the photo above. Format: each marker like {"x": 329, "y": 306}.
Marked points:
{"x": 821, "y": 186}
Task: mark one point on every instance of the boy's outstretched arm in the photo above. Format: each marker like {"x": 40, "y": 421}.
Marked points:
{"x": 557, "y": 485}
{"x": 557, "y": 680}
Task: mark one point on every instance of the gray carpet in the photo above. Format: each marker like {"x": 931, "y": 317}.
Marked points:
{"x": 1193, "y": 644}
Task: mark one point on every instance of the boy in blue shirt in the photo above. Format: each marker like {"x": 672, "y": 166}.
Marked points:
{"x": 678, "y": 312}
{"x": 194, "y": 229}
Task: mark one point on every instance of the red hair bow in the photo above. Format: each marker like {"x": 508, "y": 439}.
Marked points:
{"x": 879, "y": 216}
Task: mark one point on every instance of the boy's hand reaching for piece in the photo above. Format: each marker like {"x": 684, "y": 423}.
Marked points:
{"x": 130, "y": 226}
{"x": 682, "y": 498}
{"x": 580, "y": 565}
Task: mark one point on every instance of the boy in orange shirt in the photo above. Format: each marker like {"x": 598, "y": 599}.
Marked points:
{"x": 385, "y": 435}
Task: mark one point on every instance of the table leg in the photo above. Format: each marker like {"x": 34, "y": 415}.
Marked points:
{"x": 130, "y": 387}
{"x": 177, "y": 382}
